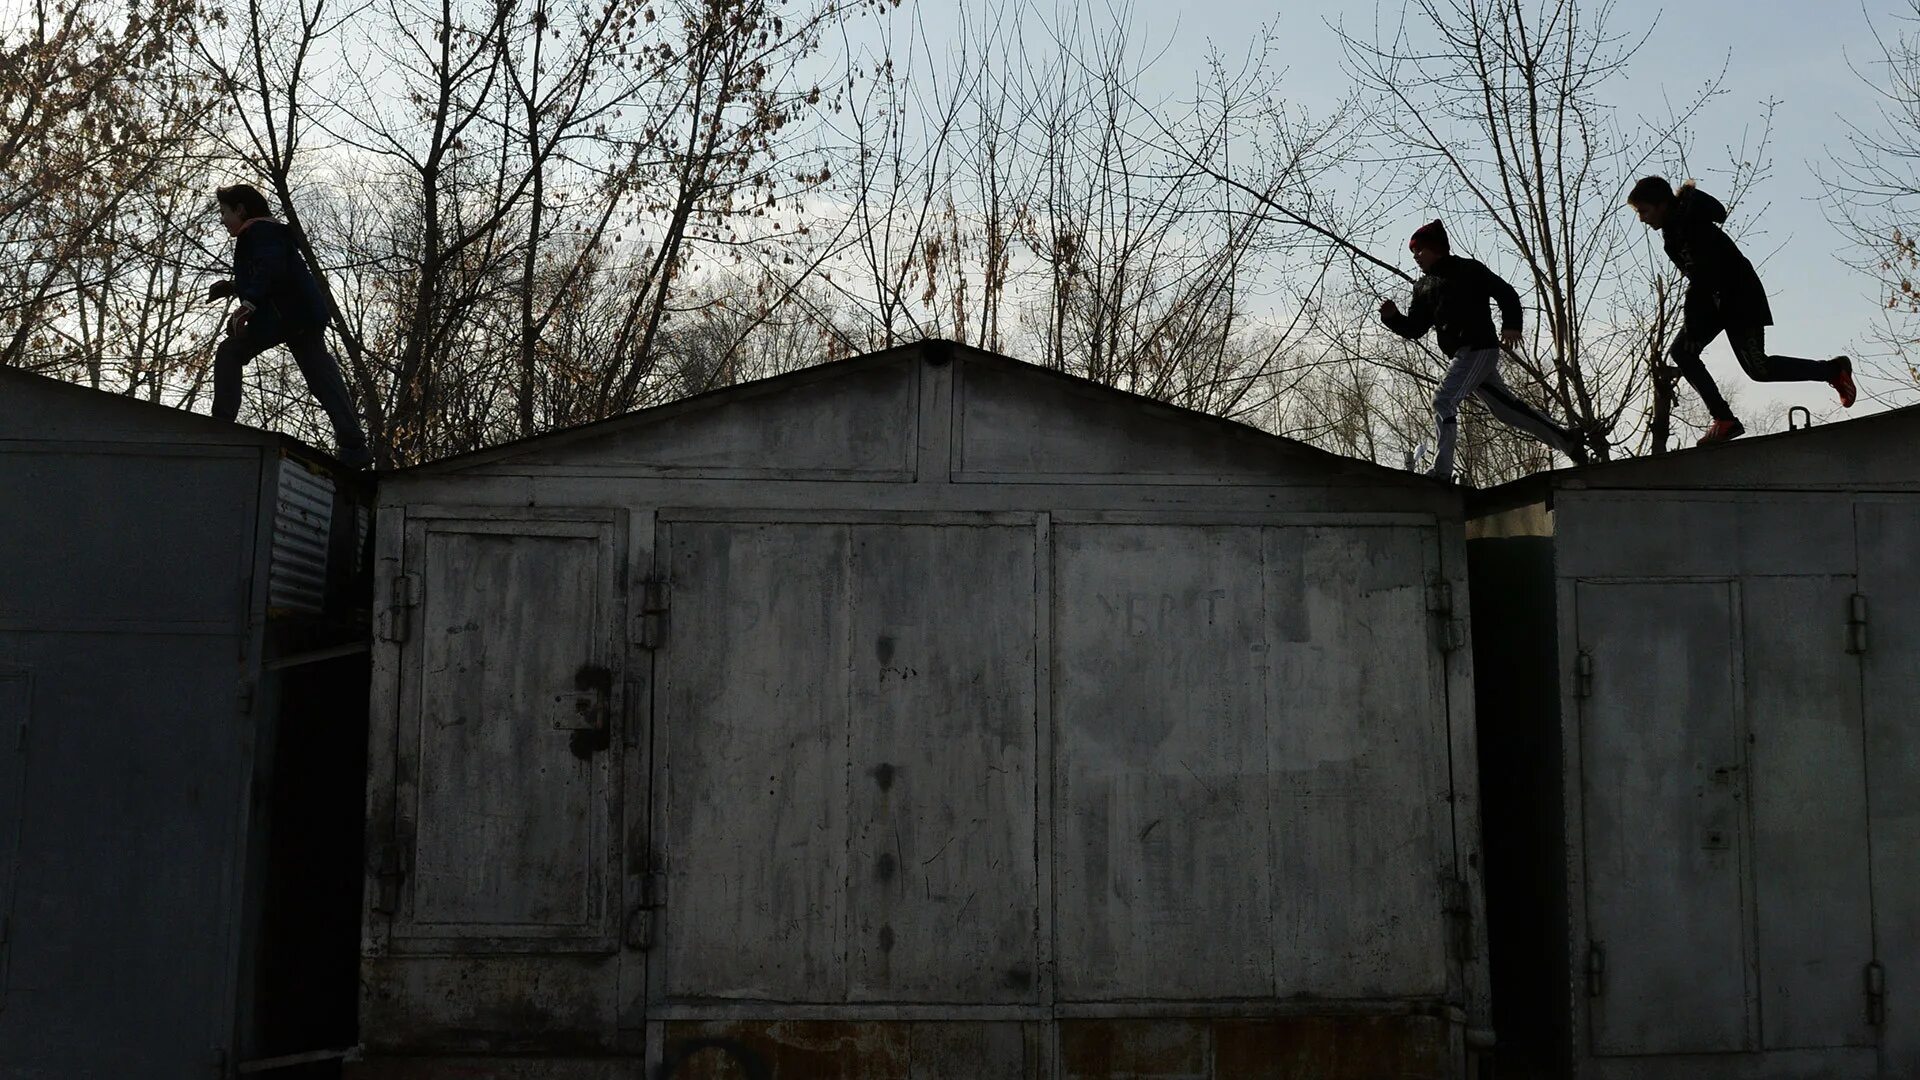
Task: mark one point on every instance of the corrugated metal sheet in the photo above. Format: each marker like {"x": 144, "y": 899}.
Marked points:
{"x": 302, "y": 527}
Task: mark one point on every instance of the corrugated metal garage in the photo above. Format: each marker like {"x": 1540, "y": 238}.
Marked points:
{"x": 182, "y": 675}
{"x": 922, "y": 714}
{"x": 1698, "y": 678}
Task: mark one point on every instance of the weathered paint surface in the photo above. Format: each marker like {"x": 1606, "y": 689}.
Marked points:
{"x": 1334, "y": 1048}
{"x": 509, "y": 811}
{"x": 1280, "y": 721}
{"x": 902, "y": 689}
{"x": 1666, "y": 850}
{"x": 1890, "y": 578}
{"x": 1736, "y": 755}
{"x": 460, "y": 1067}
{"x": 850, "y": 766}
{"x": 504, "y": 1004}
{"x": 1813, "y": 913}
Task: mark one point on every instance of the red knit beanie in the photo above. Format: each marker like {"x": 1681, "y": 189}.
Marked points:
{"x": 1431, "y": 235}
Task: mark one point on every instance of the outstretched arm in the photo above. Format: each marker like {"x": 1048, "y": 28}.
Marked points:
{"x": 1418, "y": 319}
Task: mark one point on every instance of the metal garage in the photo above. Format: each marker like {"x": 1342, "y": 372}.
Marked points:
{"x": 1702, "y": 757}
{"x": 182, "y": 713}
{"x": 922, "y": 714}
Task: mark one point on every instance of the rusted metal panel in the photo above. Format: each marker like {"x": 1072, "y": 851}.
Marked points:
{"x": 493, "y": 1004}
{"x": 1813, "y": 917}
{"x": 1357, "y": 751}
{"x": 1334, "y": 1048}
{"x": 957, "y": 1050}
{"x": 757, "y": 1050}
{"x": 942, "y": 884}
{"x": 1161, "y": 729}
{"x": 1664, "y": 776}
{"x": 1890, "y": 577}
{"x": 1136, "y": 1050}
{"x": 465, "y": 1067}
{"x": 507, "y": 785}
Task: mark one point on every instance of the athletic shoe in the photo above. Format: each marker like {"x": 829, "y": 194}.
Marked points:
{"x": 1721, "y": 431}
{"x": 1843, "y": 382}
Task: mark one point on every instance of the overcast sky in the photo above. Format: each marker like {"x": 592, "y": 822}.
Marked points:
{"x": 1795, "y": 51}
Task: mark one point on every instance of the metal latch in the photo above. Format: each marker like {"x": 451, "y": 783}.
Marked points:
{"x": 653, "y": 896}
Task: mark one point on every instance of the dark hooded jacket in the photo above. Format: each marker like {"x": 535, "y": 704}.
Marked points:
{"x": 269, "y": 272}
{"x": 1452, "y": 299}
{"x": 1721, "y": 284}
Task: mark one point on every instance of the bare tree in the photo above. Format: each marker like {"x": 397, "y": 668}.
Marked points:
{"x": 97, "y": 115}
{"x": 1873, "y": 197}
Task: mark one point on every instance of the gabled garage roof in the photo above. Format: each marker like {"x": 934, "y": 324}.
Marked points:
{"x": 929, "y": 407}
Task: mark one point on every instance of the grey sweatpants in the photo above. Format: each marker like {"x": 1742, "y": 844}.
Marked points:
{"x": 1477, "y": 371}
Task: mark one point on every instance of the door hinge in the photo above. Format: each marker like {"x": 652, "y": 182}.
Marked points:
{"x": 1857, "y": 623}
{"x": 1453, "y": 634}
{"x": 1876, "y": 994}
{"x": 389, "y": 866}
{"x": 1583, "y": 674}
{"x": 1596, "y": 969}
{"x": 396, "y": 621}
{"x": 20, "y": 737}
{"x": 245, "y": 696}
{"x": 653, "y": 897}
{"x": 1459, "y": 913}
{"x": 219, "y": 1063}
{"x": 650, "y": 625}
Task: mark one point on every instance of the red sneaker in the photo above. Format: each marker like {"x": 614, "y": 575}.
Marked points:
{"x": 1843, "y": 382}
{"x": 1721, "y": 431}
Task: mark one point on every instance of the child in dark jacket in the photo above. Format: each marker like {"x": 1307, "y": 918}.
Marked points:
{"x": 1723, "y": 293}
{"x": 280, "y": 304}
{"x": 1451, "y": 298}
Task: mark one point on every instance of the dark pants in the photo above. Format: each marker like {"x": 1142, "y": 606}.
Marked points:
{"x": 1750, "y": 348}
{"x": 321, "y": 373}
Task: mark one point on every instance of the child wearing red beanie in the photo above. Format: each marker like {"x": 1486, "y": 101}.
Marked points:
{"x": 1451, "y": 298}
